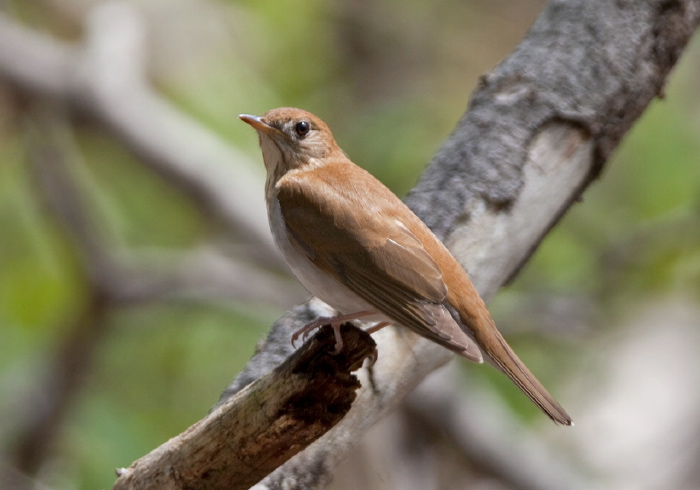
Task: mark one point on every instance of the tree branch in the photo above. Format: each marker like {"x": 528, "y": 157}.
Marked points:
{"x": 263, "y": 425}
{"x": 493, "y": 441}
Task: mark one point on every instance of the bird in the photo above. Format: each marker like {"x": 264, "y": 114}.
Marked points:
{"x": 355, "y": 245}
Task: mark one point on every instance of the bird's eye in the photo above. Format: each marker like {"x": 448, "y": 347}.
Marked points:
{"x": 302, "y": 127}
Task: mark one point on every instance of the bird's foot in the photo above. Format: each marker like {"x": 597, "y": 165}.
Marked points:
{"x": 335, "y": 322}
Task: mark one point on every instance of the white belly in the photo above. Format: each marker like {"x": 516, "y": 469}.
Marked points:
{"x": 323, "y": 286}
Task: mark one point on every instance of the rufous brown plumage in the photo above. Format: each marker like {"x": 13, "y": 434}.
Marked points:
{"x": 355, "y": 245}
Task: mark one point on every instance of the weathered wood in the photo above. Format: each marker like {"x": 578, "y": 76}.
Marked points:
{"x": 262, "y": 426}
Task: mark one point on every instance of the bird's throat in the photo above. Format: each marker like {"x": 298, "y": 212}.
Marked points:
{"x": 275, "y": 165}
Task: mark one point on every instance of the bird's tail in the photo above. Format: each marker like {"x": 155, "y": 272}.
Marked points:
{"x": 499, "y": 353}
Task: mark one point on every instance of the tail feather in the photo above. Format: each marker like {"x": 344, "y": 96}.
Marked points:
{"x": 499, "y": 353}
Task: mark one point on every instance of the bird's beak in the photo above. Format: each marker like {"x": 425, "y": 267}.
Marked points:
{"x": 257, "y": 123}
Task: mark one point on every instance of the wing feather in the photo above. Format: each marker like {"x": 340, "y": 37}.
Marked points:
{"x": 380, "y": 260}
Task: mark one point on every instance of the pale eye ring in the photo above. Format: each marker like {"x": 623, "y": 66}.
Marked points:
{"x": 302, "y": 127}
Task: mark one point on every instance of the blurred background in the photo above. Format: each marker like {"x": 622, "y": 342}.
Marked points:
{"x": 130, "y": 293}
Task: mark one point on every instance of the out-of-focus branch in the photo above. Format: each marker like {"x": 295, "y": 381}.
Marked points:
{"x": 105, "y": 79}
{"x": 204, "y": 273}
{"x": 35, "y": 63}
{"x": 133, "y": 276}
{"x": 43, "y": 410}
{"x": 493, "y": 442}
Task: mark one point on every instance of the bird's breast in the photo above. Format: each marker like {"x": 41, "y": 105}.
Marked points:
{"x": 318, "y": 282}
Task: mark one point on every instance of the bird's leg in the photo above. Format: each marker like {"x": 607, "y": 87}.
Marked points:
{"x": 333, "y": 321}
{"x": 338, "y": 339}
{"x": 377, "y": 327}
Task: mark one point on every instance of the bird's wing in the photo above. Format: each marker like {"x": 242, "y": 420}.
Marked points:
{"x": 364, "y": 240}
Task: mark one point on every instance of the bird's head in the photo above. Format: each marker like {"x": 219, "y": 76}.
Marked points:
{"x": 291, "y": 139}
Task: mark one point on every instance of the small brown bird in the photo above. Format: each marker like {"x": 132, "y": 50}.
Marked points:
{"x": 356, "y": 246}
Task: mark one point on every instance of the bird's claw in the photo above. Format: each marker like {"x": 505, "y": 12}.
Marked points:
{"x": 316, "y": 324}
{"x": 308, "y": 328}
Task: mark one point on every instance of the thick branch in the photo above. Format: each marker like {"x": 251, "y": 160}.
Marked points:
{"x": 262, "y": 426}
